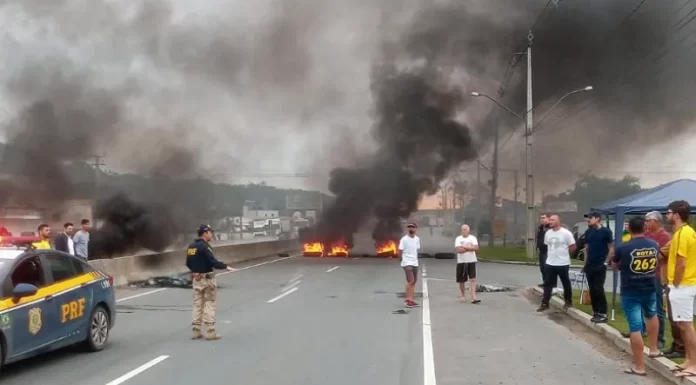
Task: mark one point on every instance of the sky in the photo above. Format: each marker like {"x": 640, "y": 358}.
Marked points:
{"x": 274, "y": 87}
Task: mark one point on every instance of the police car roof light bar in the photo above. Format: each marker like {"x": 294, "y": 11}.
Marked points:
{"x": 18, "y": 241}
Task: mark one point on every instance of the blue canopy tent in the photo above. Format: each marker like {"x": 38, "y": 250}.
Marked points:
{"x": 654, "y": 199}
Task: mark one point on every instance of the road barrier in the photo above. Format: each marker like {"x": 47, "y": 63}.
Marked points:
{"x": 142, "y": 267}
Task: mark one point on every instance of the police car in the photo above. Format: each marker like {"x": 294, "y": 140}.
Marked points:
{"x": 49, "y": 300}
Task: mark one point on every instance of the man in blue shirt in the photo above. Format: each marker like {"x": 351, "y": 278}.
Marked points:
{"x": 600, "y": 245}
{"x": 637, "y": 260}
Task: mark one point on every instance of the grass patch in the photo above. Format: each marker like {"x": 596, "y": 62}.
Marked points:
{"x": 619, "y": 323}
{"x": 511, "y": 254}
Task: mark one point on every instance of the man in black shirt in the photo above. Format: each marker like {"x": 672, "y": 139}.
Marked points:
{"x": 201, "y": 261}
{"x": 637, "y": 260}
{"x": 542, "y": 248}
{"x": 600, "y": 244}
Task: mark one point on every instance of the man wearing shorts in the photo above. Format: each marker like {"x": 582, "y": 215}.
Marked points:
{"x": 637, "y": 260}
{"x": 681, "y": 279}
{"x": 466, "y": 246}
{"x": 408, "y": 252}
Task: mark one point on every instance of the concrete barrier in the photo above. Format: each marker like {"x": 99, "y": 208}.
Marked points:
{"x": 145, "y": 266}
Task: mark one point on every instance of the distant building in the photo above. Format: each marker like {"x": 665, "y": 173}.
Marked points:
{"x": 259, "y": 214}
{"x": 25, "y": 220}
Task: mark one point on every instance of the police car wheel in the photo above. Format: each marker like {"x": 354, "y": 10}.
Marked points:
{"x": 98, "y": 333}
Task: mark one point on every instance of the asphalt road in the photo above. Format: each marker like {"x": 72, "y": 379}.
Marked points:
{"x": 335, "y": 322}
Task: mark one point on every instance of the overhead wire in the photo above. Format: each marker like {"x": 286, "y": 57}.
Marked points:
{"x": 611, "y": 39}
{"x": 515, "y": 59}
{"x": 654, "y": 55}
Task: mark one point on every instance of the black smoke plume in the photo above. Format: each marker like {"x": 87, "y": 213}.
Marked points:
{"x": 420, "y": 142}
{"x": 128, "y": 226}
{"x": 638, "y": 55}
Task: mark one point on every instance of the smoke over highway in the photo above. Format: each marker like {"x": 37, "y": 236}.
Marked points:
{"x": 183, "y": 89}
{"x": 420, "y": 141}
{"x": 171, "y": 90}
{"x": 636, "y": 54}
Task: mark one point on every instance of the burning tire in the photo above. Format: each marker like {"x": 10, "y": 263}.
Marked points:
{"x": 444, "y": 255}
{"x": 319, "y": 249}
{"x": 386, "y": 249}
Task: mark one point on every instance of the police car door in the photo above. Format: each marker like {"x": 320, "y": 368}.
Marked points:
{"x": 74, "y": 301}
{"x": 32, "y": 319}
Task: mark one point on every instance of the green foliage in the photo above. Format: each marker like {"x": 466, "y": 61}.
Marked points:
{"x": 590, "y": 190}
{"x": 509, "y": 254}
{"x": 208, "y": 200}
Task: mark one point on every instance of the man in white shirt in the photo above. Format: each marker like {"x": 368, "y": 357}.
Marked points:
{"x": 466, "y": 246}
{"x": 408, "y": 252}
{"x": 561, "y": 244}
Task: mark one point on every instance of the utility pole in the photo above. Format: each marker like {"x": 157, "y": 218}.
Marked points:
{"x": 98, "y": 163}
{"x": 531, "y": 223}
{"x": 516, "y": 195}
{"x": 479, "y": 206}
{"x": 494, "y": 181}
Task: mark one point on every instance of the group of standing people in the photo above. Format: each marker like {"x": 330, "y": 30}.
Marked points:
{"x": 652, "y": 264}
{"x": 466, "y": 246}
{"x": 68, "y": 241}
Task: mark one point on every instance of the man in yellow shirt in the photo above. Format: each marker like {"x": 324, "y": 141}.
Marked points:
{"x": 681, "y": 278}
{"x": 45, "y": 235}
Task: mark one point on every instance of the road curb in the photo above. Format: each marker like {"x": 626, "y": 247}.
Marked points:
{"x": 518, "y": 263}
{"x": 508, "y": 262}
{"x": 661, "y": 365}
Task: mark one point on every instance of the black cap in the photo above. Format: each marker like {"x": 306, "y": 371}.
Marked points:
{"x": 202, "y": 229}
{"x": 593, "y": 214}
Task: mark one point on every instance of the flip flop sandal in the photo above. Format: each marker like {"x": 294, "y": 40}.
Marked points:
{"x": 685, "y": 373}
{"x": 677, "y": 368}
{"x": 660, "y": 354}
{"x": 633, "y": 372}
{"x": 476, "y": 301}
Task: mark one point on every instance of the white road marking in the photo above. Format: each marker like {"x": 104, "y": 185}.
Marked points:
{"x": 424, "y": 271}
{"x": 428, "y": 356}
{"x": 292, "y": 285}
{"x": 141, "y": 294}
{"x": 257, "y": 265}
{"x": 137, "y": 371}
{"x": 332, "y": 269}
{"x": 243, "y": 268}
{"x": 296, "y": 278}
{"x": 294, "y": 289}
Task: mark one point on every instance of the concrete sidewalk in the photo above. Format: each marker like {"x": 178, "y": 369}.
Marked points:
{"x": 504, "y": 341}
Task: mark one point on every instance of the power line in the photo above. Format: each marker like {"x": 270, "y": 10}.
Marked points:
{"x": 611, "y": 39}
{"x": 658, "y": 53}
{"x": 515, "y": 59}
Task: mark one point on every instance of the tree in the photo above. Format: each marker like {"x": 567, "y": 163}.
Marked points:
{"x": 591, "y": 190}
{"x": 461, "y": 191}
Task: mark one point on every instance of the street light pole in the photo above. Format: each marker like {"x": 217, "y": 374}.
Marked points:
{"x": 529, "y": 130}
{"x": 531, "y": 223}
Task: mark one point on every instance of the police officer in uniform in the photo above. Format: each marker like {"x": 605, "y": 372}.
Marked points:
{"x": 201, "y": 261}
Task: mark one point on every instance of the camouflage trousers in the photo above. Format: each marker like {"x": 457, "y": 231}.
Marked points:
{"x": 204, "y": 295}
